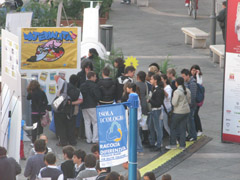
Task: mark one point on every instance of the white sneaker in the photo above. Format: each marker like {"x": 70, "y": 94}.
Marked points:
{"x": 187, "y": 5}
{"x": 199, "y": 133}
{"x": 171, "y": 147}
{"x": 182, "y": 148}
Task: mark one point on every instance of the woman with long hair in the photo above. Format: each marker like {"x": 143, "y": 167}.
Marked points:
{"x": 180, "y": 101}
{"x": 197, "y": 74}
{"x": 39, "y": 106}
{"x": 119, "y": 64}
{"x": 156, "y": 101}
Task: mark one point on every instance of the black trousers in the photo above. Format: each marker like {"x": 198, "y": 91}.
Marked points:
{"x": 36, "y": 118}
{"x": 65, "y": 128}
{"x": 197, "y": 120}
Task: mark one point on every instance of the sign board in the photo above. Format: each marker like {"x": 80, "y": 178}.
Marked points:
{"x": 231, "y": 105}
{"x": 112, "y": 132}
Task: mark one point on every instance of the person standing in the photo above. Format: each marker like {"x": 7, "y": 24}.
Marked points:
{"x": 222, "y": 19}
{"x": 119, "y": 64}
{"x": 180, "y": 101}
{"x": 39, "y": 106}
{"x": 67, "y": 167}
{"x": 197, "y": 74}
{"x": 9, "y": 167}
{"x": 91, "y": 96}
{"x": 191, "y": 84}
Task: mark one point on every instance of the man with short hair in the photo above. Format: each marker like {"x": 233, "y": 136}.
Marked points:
{"x": 129, "y": 73}
{"x": 171, "y": 74}
{"x": 91, "y": 96}
{"x": 107, "y": 87}
{"x": 48, "y": 149}
{"x": 222, "y": 19}
{"x": 67, "y": 167}
{"x": 78, "y": 160}
{"x": 36, "y": 162}
{"x": 51, "y": 171}
{"x": 191, "y": 84}
{"x": 9, "y": 168}
{"x": 102, "y": 172}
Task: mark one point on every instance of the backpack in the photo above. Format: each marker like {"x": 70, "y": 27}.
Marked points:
{"x": 200, "y": 93}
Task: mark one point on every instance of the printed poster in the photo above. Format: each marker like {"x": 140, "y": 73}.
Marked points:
{"x": 231, "y": 106}
{"x": 49, "y": 48}
{"x": 112, "y": 132}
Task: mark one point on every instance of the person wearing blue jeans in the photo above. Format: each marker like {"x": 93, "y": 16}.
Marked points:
{"x": 192, "y": 133}
{"x": 156, "y": 101}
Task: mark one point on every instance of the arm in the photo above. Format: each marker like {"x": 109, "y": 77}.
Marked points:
{"x": 28, "y": 168}
{"x": 60, "y": 177}
{"x": 188, "y": 96}
{"x": 199, "y": 78}
{"x": 175, "y": 98}
{"x": 79, "y": 101}
{"x": 97, "y": 93}
{"x": 193, "y": 90}
{"x": 18, "y": 167}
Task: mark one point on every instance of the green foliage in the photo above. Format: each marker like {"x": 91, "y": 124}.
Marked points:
{"x": 105, "y": 7}
{"x": 165, "y": 65}
{"x": 44, "y": 15}
{"x": 73, "y": 8}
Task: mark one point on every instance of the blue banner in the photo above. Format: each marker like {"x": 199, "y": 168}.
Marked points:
{"x": 112, "y": 134}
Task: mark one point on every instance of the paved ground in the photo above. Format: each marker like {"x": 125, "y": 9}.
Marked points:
{"x": 153, "y": 33}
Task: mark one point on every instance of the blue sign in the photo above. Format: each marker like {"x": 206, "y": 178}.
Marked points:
{"x": 112, "y": 134}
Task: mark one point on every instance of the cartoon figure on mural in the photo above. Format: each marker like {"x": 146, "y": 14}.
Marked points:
{"x": 50, "y": 51}
{"x": 114, "y": 133}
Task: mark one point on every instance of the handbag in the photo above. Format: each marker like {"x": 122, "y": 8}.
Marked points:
{"x": 45, "y": 119}
{"x": 60, "y": 102}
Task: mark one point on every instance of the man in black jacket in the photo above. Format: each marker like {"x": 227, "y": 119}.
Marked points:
{"x": 222, "y": 18}
{"x": 91, "y": 96}
{"x": 107, "y": 88}
{"x": 9, "y": 168}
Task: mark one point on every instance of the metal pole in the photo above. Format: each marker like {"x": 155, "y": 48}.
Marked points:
{"x": 213, "y": 23}
{"x": 132, "y": 151}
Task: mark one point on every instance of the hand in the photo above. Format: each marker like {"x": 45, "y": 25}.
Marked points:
{"x": 197, "y": 71}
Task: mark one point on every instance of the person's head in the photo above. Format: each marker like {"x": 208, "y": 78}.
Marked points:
{"x": 195, "y": 69}
{"x": 33, "y": 85}
{"x": 157, "y": 68}
{"x": 141, "y": 76}
{"x": 68, "y": 152}
{"x": 93, "y": 52}
{"x": 156, "y": 80}
{"x": 3, "y": 151}
{"x": 153, "y": 69}
{"x": 87, "y": 66}
{"x": 113, "y": 176}
{"x": 164, "y": 79}
{"x": 125, "y": 165}
{"x": 40, "y": 146}
{"x": 131, "y": 87}
{"x": 106, "y": 72}
{"x": 90, "y": 161}
{"x": 186, "y": 75}
{"x": 78, "y": 156}
{"x": 73, "y": 79}
{"x": 44, "y": 137}
{"x": 129, "y": 71}
{"x": 171, "y": 73}
{"x": 99, "y": 169}
{"x": 180, "y": 82}
{"x": 149, "y": 75}
{"x": 95, "y": 150}
{"x": 50, "y": 159}
{"x": 119, "y": 62}
{"x": 149, "y": 176}
{"x": 224, "y": 4}
{"x": 91, "y": 76}
{"x": 166, "y": 177}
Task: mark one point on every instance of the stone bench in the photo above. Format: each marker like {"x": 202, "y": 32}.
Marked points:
{"x": 196, "y": 37}
{"x": 218, "y": 54}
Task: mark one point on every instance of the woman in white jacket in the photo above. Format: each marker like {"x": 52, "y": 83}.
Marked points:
{"x": 180, "y": 101}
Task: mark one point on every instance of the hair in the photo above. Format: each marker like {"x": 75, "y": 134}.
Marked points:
{"x": 33, "y": 85}
{"x": 90, "y": 161}
{"x": 156, "y": 65}
{"x": 68, "y": 150}
{"x": 164, "y": 76}
{"x": 141, "y": 75}
{"x": 134, "y": 88}
{"x": 150, "y": 175}
{"x": 197, "y": 67}
{"x": 224, "y": 3}
{"x": 41, "y": 135}
{"x": 129, "y": 68}
{"x": 112, "y": 176}
{"x": 99, "y": 168}
{"x": 120, "y": 62}
{"x": 87, "y": 64}
{"x": 186, "y": 72}
{"x": 95, "y": 148}
{"x": 3, "y": 151}
{"x": 50, "y": 158}
{"x": 153, "y": 69}
{"x": 171, "y": 71}
{"x": 91, "y": 74}
{"x": 40, "y": 145}
{"x": 159, "y": 81}
{"x": 80, "y": 154}
{"x": 150, "y": 74}
{"x": 73, "y": 79}
{"x": 93, "y": 52}
{"x": 180, "y": 81}
{"x": 166, "y": 177}
{"x": 106, "y": 71}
